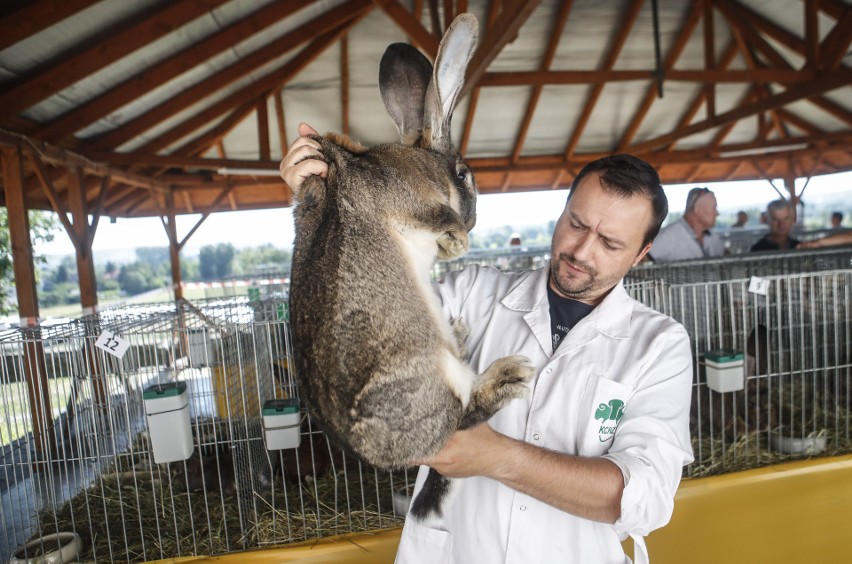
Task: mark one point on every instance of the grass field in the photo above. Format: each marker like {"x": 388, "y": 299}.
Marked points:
{"x": 154, "y": 296}
{"x": 15, "y": 415}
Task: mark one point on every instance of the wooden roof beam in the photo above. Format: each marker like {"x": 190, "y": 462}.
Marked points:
{"x": 36, "y": 16}
{"x": 135, "y": 33}
{"x": 825, "y": 83}
{"x": 835, "y": 110}
{"x": 547, "y": 60}
{"x": 627, "y": 21}
{"x": 177, "y": 161}
{"x": 59, "y": 156}
{"x": 317, "y": 26}
{"x": 408, "y": 23}
{"x": 769, "y": 28}
{"x": 835, "y": 45}
{"x": 834, "y": 8}
{"x": 261, "y": 87}
{"x": 799, "y": 122}
{"x": 651, "y": 91}
{"x": 474, "y": 93}
{"x": 709, "y": 54}
{"x": 344, "y": 82}
{"x": 201, "y": 144}
{"x": 811, "y": 8}
{"x": 739, "y": 21}
{"x": 280, "y": 119}
{"x": 262, "y": 112}
{"x": 707, "y": 76}
{"x": 503, "y": 30}
{"x": 167, "y": 69}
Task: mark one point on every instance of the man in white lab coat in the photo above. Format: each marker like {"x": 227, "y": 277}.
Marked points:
{"x": 595, "y": 451}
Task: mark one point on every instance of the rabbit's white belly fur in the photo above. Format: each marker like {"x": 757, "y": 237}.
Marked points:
{"x": 420, "y": 247}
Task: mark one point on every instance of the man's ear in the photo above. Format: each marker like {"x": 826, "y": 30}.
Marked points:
{"x": 642, "y": 254}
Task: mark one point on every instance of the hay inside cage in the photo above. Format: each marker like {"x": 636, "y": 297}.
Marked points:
{"x": 136, "y": 512}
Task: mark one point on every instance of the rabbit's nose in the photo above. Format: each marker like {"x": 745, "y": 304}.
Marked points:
{"x": 470, "y": 220}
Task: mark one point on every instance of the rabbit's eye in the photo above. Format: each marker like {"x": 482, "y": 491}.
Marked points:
{"x": 462, "y": 174}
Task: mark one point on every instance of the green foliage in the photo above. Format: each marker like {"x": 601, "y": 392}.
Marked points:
{"x": 216, "y": 261}
{"x": 139, "y": 277}
{"x": 42, "y": 227}
{"x": 263, "y": 258}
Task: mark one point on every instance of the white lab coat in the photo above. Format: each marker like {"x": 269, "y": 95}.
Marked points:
{"x": 622, "y": 351}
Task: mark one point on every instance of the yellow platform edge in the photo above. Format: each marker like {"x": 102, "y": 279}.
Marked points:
{"x": 794, "y": 512}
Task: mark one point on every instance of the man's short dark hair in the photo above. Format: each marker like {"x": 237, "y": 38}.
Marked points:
{"x": 838, "y": 216}
{"x": 626, "y": 175}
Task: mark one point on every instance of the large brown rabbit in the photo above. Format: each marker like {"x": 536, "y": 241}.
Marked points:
{"x": 376, "y": 361}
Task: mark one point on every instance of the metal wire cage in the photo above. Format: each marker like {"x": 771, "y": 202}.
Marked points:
{"x": 793, "y": 332}
{"x": 78, "y": 452}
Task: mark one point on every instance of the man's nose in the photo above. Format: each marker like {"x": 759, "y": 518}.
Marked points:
{"x": 584, "y": 246}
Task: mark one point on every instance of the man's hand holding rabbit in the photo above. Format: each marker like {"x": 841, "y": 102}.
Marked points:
{"x": 303, "y": 159}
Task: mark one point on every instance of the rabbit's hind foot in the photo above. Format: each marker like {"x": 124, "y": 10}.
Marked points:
{"x": 501, "y": 382}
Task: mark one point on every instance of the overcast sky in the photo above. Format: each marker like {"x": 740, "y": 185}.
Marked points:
{"x": 252, "y": 228}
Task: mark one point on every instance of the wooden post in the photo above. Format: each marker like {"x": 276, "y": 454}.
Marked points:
{"x": 25, "y": 287}
{"x": 174, "y": 245}
{"x": 790, "y": 184}
{"x": 78, "y": 207}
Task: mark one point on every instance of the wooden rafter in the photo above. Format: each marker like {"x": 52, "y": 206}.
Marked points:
{"x": 203, "y": 142}
{"x": 408, "y": 23}
{"x": 344, "y": 82}
{"x": 35, "y": 16}
{"x": 474, "y": 93}
{"x": 811, "y": 32}
{"x": 825, "y": 83}
{"x": 593, "y": 77}
{"x": 836, "y": 44}
{"x": 498, "y": 34}
{"x": 269, "y": 83}
{"x": 617, "y": 44}
{"x": 260, "y": 57}
{"x": 832, "y": 108}
{"x": 739, "y": 23}
{"x": 651, "y": 91}
{"x": 135, "y": 33}
{"x": 264, "y": 152}
{"x": 281, "y": 120}
{"x": 709, "y": 54}
{"x": 167, "y": 69}
{"x": 547, "y": 60}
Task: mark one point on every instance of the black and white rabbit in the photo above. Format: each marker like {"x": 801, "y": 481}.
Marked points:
{"x": 376, "y": 360}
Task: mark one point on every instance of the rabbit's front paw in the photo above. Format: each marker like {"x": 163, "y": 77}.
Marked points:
{"x": 452, "y": 244}
{"x": 502, "y": 382}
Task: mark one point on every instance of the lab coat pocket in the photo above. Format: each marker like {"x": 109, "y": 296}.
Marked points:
{"x": 604, "y": 403}
{"x": 424, "y": 544}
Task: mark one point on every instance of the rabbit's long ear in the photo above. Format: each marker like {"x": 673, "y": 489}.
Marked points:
{"x": 454, "y": 54}
{"x": 404, "y": 75}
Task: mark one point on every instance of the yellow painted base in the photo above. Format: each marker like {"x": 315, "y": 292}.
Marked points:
{"x": 795, "y": 512}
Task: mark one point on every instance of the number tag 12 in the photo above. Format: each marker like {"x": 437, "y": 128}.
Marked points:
{"x": 112, "y": 343}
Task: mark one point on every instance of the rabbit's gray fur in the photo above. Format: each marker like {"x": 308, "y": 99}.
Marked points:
{"x": 376, "y": 360}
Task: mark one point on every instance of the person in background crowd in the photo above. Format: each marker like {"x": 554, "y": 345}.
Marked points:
{"x": 742, "y": 219}
{"x": 690, "y": 236}
{"x": 781, "y": 219}
{"x": 837, "y": 220}
{"x": 763, "y": 220}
